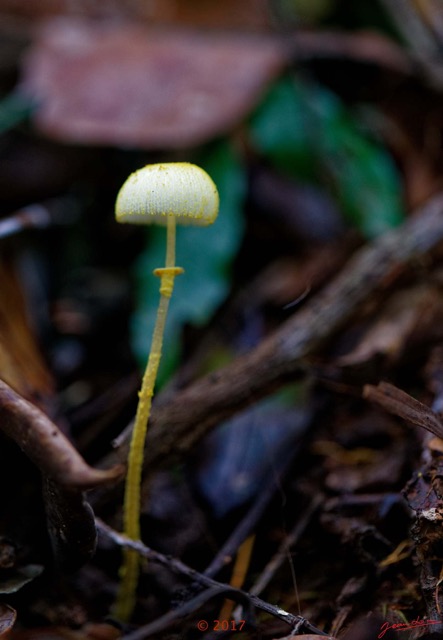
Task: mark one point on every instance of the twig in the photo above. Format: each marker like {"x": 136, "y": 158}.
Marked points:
{"x": 420, "y": 35}
{"x": 169, "y": 619}
{"x": 55, "y": 211}
{"x": 414, "y": 30}
{"x": 248, "y": 523}
{"x": 283, "y": 552}
{"x": 35, "y": 216}
{"x": 178, "y": 567}
{"x": 289, "y": 541}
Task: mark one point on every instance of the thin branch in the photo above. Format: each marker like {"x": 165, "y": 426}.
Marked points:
{"x": 181, "y": 569}
{"x": 290, "y": 540}
{"x": 409, "y": 23}
{"x": 35, "y": 216}
{"x": 169, "y": 619}
{"x": 55, "y": 211}
{"x": 419, "y": 31}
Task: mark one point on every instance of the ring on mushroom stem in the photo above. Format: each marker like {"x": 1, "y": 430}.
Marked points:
{"x": 166, "y": 194}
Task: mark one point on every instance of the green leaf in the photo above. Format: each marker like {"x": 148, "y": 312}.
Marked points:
{"x": 280, "y": 130}
{"x": 304, "y": 131}
{"x": 205, "y": 253}
{"x": 14, "y": 108}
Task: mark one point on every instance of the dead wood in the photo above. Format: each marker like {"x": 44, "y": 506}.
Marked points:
{"x": 43, "y": 443}
{"x": 70, "y": 524}
{"x": 192, "y": 412}
{"x": 422, "y": 492}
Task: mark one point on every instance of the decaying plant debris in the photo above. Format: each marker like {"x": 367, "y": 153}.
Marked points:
{"x": 302, "y": 420}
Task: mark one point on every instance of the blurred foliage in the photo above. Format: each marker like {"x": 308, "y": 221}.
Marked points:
{"x": 14, "y": 109}
{"x": 237, "y": 459}
{"x": 305, "y": 11}
{"x": 305, "y": 132}
{"x": 204, "y": 253}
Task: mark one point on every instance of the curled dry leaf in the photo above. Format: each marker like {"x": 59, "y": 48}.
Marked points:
{"x": 101, "y": 84}
{"x": 48, "y": 448}
{"x": 404, "y": 406}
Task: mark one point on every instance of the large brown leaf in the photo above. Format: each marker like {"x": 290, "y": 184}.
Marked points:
{"x": 101, "y": 84}
{"x": 251, "y": 14}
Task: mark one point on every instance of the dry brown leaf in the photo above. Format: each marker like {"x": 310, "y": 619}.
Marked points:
{"x": 21, "y": 364}
{"x": 404, "y": 406}
{"x": 227, "y": 14}
{"x": 101, "y": 84}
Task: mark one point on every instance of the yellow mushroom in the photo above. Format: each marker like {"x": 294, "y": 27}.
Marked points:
{"x": 166, "y": 194}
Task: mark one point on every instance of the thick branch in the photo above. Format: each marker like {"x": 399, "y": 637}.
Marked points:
{"x": 176, "y": 426}
{"x": 48, "y": 448}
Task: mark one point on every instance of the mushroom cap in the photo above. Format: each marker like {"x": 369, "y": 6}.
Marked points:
{"x": 178, "y": 189}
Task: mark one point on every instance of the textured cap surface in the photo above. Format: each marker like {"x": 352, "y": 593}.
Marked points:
{"x": 178, "y": 189}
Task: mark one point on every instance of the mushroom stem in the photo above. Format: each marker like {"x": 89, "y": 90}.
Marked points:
{"x": 132, "y": 501}
{"x": 175, "y": 192}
